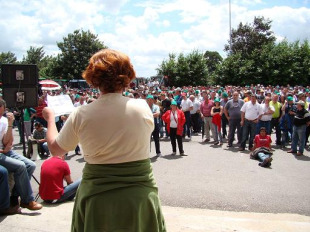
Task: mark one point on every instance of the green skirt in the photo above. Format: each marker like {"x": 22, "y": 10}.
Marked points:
{"x": 118, "y": 197}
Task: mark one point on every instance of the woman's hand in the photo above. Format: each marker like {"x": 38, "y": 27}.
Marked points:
{"x": 48, "y": 113}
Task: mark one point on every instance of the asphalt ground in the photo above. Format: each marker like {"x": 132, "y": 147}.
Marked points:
{"x": 213, "y": 188}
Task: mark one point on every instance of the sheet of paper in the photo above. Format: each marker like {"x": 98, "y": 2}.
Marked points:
{"x": 61, "y": 104}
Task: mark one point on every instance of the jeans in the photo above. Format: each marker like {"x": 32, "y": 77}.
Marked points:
{"x": 217, "y": 134}
{"x": 249, "y": 127}
{"x": 262, "y": 156}
{"x": 4, "y": 187}
{"x": 187, "y": 125}
{"x": 69, "y": 191}
{"x": 233, "y": 125}
{"x": 174, "y": 137}
{"x": 298, "y": 138}
{"x": 45, "y": 148}
{"x": 265, "y": 124}
{"x": 23, "y": 169}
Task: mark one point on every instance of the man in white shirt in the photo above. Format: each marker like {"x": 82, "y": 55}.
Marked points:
{"x": 187, "y": 106}
{"x": 195, "y": 114}
{"x": 265, "y": 120}
{"x": 251, "y": 113}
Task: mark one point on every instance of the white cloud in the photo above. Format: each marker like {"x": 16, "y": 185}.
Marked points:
{"x": 147, "y": 36}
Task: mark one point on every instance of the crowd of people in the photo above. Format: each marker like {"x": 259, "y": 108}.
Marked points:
{"x": 246, "y": 116}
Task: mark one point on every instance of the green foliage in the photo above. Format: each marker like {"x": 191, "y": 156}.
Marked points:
{"x": 34, "y": 55}
{"x": 185, "y": 70}
{"x": 273, "y": 64}
{"x": 76, "y": 50}
{"x": 249, "y": 37}
{"x": 7, "y": 58}
{"x": 213, "y": 59}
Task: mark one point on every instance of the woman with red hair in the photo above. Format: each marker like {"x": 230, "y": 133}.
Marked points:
{"x": 118, "y": 191}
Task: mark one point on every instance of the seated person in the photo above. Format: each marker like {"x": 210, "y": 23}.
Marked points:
{"x": 5, "y": 208}
{"x": 39, "y": 137}
{"x": 22, "y": 167}
{"x": 53, "y": 172}
{"x": 262, "y": 149}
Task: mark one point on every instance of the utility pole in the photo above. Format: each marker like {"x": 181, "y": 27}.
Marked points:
{"x": 230, "y": 25}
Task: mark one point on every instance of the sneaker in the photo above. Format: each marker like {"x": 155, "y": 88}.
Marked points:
{"x": 158, "y": 154}
{"x": 173, "y": 153}
{"x": 182, "y": 154}
{"x": 31, "y": 205}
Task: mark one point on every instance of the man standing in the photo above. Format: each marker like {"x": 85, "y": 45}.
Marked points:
{"x": 187, "y": 106}
{"x": 156, "y": 113}
{"x": 164, "y": 106}
{"x": 300, "y": 123}
{"x": 276, "y": 117}
{"x": 178, "y": 96}
{"x": 232, "y": 111}
{"x": 265, "y": 120}
{"x": 195, "y": 113}
{"x": 251, "y": 113}
{"x": 224, "y": 118}
{"x": 205, "y": 113}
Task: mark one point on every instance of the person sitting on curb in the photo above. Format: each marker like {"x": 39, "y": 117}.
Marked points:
{"x": 39, "y": 137}
{"x": 53, "y": 172}
{"x": 22, "y": 167}
{"x": 262, "y": 149}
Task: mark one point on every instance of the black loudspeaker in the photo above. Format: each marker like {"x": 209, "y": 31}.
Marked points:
{"x": 20, "y": 85}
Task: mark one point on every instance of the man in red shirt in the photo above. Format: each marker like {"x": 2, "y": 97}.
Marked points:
{"x": 53, "y": 172}
{"x": 262, "y": 149}
{"x": 205, "y": 111}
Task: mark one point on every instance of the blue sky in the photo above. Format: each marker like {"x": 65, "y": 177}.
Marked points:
{"x": 146, "y": 30}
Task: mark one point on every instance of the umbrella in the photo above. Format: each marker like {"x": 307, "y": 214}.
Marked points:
{"x": 49, "y": 85}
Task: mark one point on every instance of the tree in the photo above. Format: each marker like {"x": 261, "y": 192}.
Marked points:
{"x": 34, "y": 55}
{"x": 246, "y": 38}
{"x": 76, "y": 50}
{"x": 168, "y": 68}
{"x": 7, "y": 58}
{"x": 212, "y": 60}
{"x": 188, "y": 69}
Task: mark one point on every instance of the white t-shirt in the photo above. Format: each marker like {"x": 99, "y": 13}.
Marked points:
{"x": 196, "y": 106}
{"x": 266, "y": 117}
{"x": 186, "y": 104}
{"x": 174, "y": 119}
{"x": 3, "y": 129}
{"x": 251, "y": 111}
